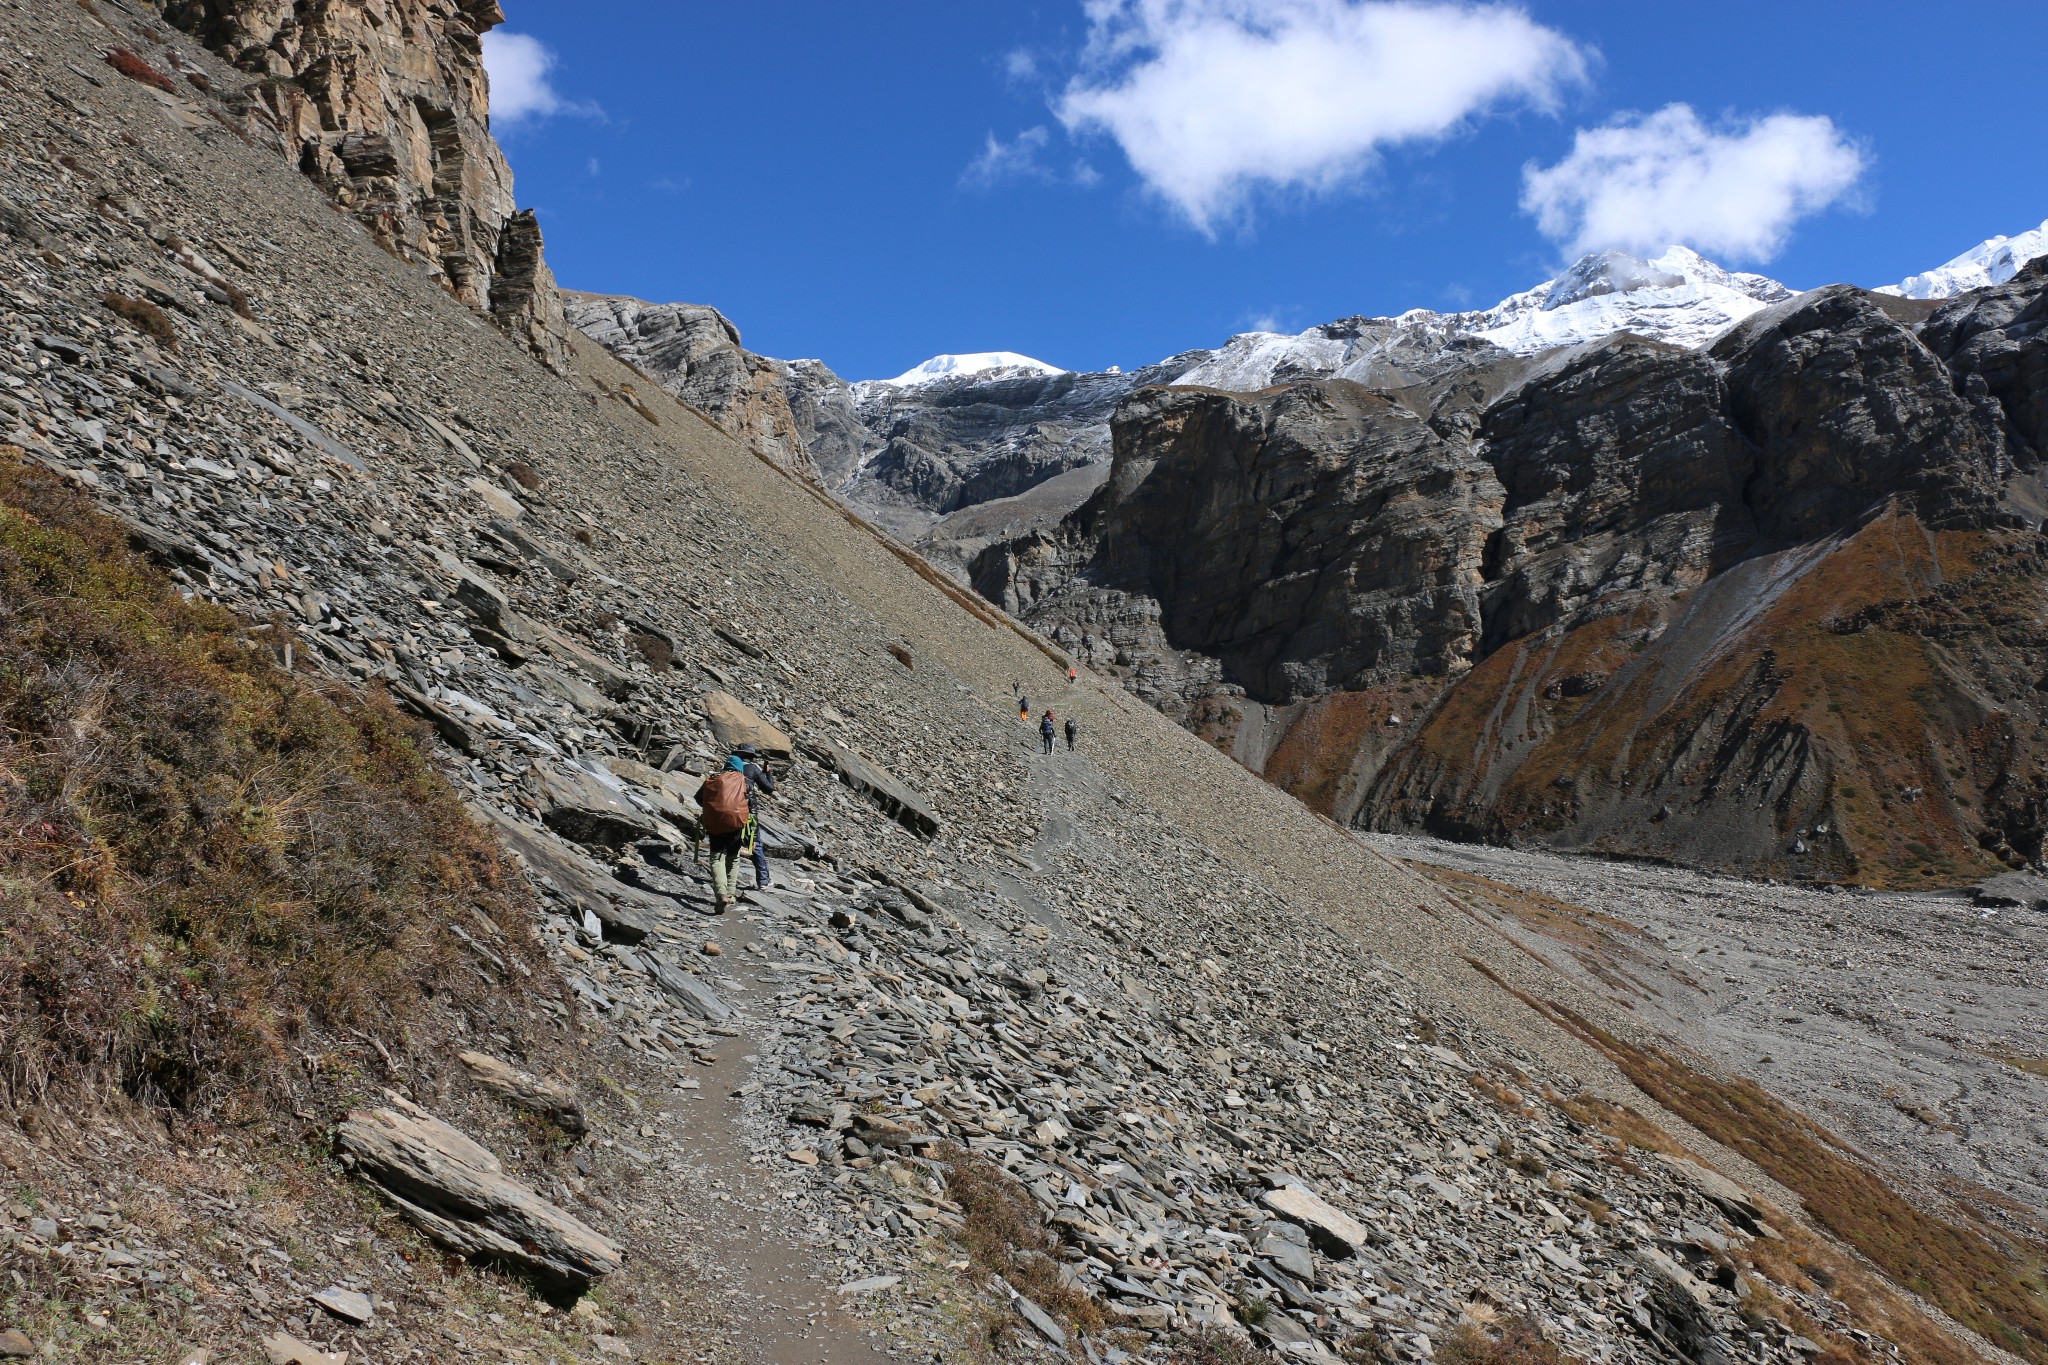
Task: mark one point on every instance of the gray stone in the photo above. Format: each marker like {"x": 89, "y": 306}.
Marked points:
{"x": 897, "y": 799}
{"x": 1334, "y": 1232}
{"x": 591, "y": 809}
{"x": 346, "y": 1304}
{"x": 1041, "y": 1321}
{"x": 458, "y": 1194}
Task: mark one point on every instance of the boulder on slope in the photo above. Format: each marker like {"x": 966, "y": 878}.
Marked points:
{"x": 457, "y": 1192}
{"x": 734, "y": 723}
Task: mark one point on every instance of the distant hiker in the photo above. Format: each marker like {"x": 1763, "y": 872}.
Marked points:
{"x": 727, "y": 817}
{"x": 1045, "y": 731}
{"x": 1071, "y": 674}
{"x": 1072, "y": 730}
{"x": 1023, "y": 707}
{"x": 760, "y": 782}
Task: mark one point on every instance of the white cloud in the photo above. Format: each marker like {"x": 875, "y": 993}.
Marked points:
{"x": 1017, "y": 159}
{"x": 518, "y": 65}
{"x": 1210, "y": 99}
{"x": 1643, "y": 182}
{"x": 1023, "y": 158}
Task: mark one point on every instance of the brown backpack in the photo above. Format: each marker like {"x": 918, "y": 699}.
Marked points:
{"x": 723, "y": 799}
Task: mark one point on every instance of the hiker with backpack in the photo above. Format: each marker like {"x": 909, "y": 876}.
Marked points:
{"x": 1045, "y": 731}
{"x": 727, "y": 818}
{"x": 748, "y": 761}
{"x": 1072, "y": 730}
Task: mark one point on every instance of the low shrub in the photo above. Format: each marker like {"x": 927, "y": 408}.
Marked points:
{"x": 207, "y": 862}
{"x": 1213, "y": 1346}
{"x": 1518, "y": 1341}
{"x": 136, "y": 69}
{"x": 1004, "y": 1234}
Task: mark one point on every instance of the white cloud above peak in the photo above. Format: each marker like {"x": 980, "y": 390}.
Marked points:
{"x": 518, "y": 65}
{"x": 1642, "y": 182}
{"x": 1211, "y": 100}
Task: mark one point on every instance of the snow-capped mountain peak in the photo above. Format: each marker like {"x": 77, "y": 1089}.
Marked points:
{"x": 978, "y": 362}
{"x": 1679, "y": 297}
{"x": 1989, "y": 262}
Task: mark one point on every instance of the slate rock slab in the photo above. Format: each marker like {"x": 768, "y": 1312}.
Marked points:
{"x": 1335, "y": 1233}
{"x": 895, "y": 797}
{"x": 590, "y": 809}
{"x": 734, "y": 723}
{"x": 457, "y": 1192}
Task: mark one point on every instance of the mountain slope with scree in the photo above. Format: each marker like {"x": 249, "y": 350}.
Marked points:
{"x": 1098, "y": 1055}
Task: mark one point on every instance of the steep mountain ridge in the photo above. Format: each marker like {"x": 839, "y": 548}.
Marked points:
{"x": 959, "y": 431}
{"x": 1992, "y": 261}
{"x": 1565, "y": 607}
{"x": 1207, "y": 1062}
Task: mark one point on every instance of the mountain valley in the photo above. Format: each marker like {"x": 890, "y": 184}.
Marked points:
{"x": 1425, "y": 546}
{"x": 372, "y": 611}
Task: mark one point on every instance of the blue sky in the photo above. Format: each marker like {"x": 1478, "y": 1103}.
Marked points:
{"x": 1098, "y": 182}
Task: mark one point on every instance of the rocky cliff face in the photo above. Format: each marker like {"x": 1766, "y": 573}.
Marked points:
{"x": 1622, "y": 597}
{"x": 694, "y": 352}
{"x": 1308, "y": 539}
{"x": 385, "y": 104}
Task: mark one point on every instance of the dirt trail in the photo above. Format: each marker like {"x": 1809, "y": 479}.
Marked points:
{"x": 782, "y": 1302}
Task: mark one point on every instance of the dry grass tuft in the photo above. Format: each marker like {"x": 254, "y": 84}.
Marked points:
{"x": 136, "y": 69}
{"x": 1518, "y": 1341}
{"x": 659, "y": 653}
{"x": 238, "y": 301}
{"x": 1213, "y": 1346}
{"x": 146, "y": 317}
{"x": 1004, "y": 1234}
{"x": 209, "y": 864}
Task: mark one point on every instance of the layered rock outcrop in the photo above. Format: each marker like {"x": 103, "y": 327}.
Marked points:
{"x": 695, "y": 353}
{"x": 386, "y": 105}
{"x": 1769, "y": 606}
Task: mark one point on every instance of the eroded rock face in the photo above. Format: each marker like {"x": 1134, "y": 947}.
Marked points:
{"x": 1622, "y": 473}
{"x": 1850, "y": 408}
{"x": 1991, "y": 344}
{"x": 1309, "y": 540}
{"x": 941, "y": 446}
{"x": 385, "y": 104}
{"x": 695, "y": 353}
{"x": 1625, "y": 597}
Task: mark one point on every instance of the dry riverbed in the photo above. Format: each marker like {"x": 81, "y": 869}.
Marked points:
{"x": 1912, "y": 1026}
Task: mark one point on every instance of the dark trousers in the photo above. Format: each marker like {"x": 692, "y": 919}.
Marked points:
{"x": 760, "y": 861}
{"x": 1047, "y": 737}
